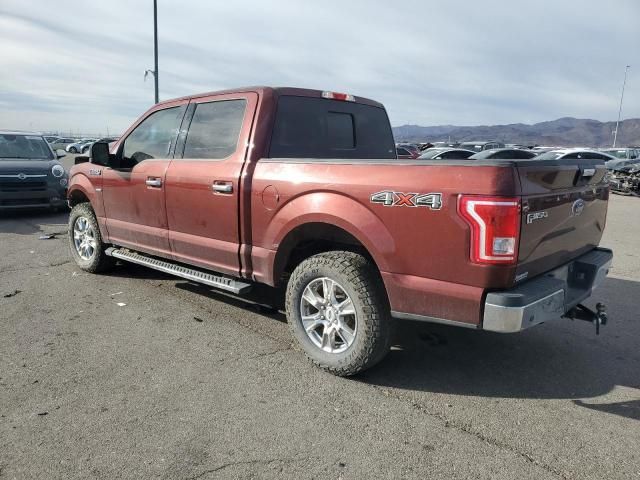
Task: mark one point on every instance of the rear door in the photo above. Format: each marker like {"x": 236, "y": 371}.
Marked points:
{"x": 202, "y": 182}
{"x": 564, "y": 209}
{"x": 134, "y": 192}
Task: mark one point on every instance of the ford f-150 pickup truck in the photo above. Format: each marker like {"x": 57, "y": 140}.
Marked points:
{"x": 302, "y": 189}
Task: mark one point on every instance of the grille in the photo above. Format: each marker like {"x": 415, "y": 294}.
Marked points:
{"x": 22, "y": 186}
{"x": 23, "y": 201}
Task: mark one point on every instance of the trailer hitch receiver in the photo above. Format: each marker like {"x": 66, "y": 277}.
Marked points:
{"x": 580, "y": 312}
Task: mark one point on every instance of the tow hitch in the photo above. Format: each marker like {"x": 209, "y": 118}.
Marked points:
{"x": 580, "y": 312}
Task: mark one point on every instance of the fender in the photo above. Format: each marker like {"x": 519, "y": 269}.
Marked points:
{"x": 79, "y": 182}
{"x": 332, "y": 208}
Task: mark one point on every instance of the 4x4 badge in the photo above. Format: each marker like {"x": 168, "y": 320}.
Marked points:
{"x": 388, "y": 198}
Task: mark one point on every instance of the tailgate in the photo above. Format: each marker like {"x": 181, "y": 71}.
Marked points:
{"x": 564, "y": 209}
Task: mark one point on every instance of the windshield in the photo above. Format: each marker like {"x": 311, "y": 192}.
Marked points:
{"x": 617, "y": 153}
{"x": 471, "y": 146}
{"x": 549, "y": 155}
{"x": 431, "y": 152}
{"x": 24, "y": 146}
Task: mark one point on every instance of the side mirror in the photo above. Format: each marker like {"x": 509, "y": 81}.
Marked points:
{"x": 100, "y": 154}
{"x": 60, "y": 153}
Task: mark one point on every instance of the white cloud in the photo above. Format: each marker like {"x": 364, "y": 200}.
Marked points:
{"x": 79, "y": 65}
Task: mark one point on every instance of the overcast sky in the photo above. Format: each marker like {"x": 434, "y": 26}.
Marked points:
{"x": 78, "y": 65}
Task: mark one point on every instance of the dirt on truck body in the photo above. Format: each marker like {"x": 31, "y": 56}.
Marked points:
{"x": 303, "y": 189}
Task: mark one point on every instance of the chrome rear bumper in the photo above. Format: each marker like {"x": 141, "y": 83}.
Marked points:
{"x": 547, "y": 297}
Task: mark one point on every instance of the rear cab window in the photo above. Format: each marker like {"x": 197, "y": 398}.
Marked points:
{"x": 308, "y": 127}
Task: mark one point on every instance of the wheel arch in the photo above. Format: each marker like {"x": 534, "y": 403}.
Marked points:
{"x": 322, "y": 222}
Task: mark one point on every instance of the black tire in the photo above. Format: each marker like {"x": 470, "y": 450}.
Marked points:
{"x": 73, "y": 150}
{"x": 99, "y": 261}
{"x": 358, "y": 278}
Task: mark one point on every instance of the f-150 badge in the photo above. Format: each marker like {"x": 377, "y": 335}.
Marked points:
{"x": 532, "y": 217}
{"x": 388, "y": 198}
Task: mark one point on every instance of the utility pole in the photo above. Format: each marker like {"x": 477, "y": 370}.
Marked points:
{"x": 155, "y": 47}
{"x": 615, "y": 135}
{"x": 154, "y": 72}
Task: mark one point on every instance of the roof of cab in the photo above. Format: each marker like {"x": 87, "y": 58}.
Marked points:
{"x": 275, "y": 91}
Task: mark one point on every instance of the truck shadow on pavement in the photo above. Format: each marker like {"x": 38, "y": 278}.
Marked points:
{"x": 261, "y": 298}
{"x": 559, "y": 360}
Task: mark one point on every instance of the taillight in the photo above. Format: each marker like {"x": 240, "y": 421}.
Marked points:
{"x": 495, "y": 227}
{"x": 345, "y": 97}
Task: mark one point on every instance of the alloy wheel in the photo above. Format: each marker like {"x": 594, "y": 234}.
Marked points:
{"x": 328, "y": 315}
{"x": 84, "y": 238}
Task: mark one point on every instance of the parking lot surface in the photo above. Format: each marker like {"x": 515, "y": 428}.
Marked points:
{"x": 135, "y": 374}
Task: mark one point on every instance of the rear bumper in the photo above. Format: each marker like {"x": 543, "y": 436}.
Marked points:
{"x": 547, "y": 297}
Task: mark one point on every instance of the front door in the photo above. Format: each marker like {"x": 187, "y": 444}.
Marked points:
{"x": 202, "y": 181}
{"x": 134, "y": 191}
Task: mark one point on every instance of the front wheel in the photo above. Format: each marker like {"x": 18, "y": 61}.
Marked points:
{"x": 87, "y": 248}
{"x": 73, "y": 150}
{"x": 337, "y": 310}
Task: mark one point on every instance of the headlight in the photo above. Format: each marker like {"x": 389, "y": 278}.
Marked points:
{"x": 57, "y": 171}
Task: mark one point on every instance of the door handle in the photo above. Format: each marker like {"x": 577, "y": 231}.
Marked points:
{"x": 153, "y": 182}
{"x": 222, "y": 187}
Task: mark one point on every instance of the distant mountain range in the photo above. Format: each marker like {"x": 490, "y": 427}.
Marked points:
{"x": 565, "y": 131}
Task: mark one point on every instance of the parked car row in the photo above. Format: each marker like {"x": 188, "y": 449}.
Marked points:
{"x": 480, "y": 153}
{"x": 75, "y": 145}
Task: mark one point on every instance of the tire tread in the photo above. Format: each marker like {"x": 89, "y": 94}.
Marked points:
{"x": 365, "y": 280}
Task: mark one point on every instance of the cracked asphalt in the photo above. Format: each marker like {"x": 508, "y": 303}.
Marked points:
{"x": 136, "y": 374}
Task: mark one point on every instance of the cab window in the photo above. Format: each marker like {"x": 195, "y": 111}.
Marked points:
{"x": 153, "y": 138}
{"x": 215, "y": 129}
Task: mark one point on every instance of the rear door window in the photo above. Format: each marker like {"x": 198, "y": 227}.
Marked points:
{"x": 215, "y": 129}
{"x": 594, "y": 156}
{"x": 307, "y": 127}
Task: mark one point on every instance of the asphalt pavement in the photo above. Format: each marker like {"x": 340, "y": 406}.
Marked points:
{"x": 136, "y": 374}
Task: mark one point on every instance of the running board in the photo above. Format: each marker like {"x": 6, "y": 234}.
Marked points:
{"x": 223, "y": 283}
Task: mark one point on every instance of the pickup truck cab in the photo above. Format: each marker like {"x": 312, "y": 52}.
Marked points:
{"x": 303, "y": 189}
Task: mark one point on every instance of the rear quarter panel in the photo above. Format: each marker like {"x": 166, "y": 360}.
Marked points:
{"x": 423, "y": 254}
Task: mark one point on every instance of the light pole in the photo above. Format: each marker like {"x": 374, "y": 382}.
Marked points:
{"x": 154, "y": 72}
{"x": 155, "y": 48}
{"x": 615, "y": 135}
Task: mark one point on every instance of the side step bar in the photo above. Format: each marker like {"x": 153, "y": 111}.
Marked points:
{"x": 223, "y": 283}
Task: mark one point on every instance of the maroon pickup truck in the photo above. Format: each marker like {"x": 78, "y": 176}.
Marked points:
{"x": 303, "y": 189}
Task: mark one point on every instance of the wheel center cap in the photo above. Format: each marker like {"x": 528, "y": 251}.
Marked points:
{"x": 330, "y": 314}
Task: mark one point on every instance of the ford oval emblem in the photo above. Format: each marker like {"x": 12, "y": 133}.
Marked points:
{"x": 22, "y": 176}
{"x": 577, "y": 207}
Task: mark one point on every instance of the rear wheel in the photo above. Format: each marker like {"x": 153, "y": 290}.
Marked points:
{"x": 87, "y": 248}
{"x": 338, "y": 312}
